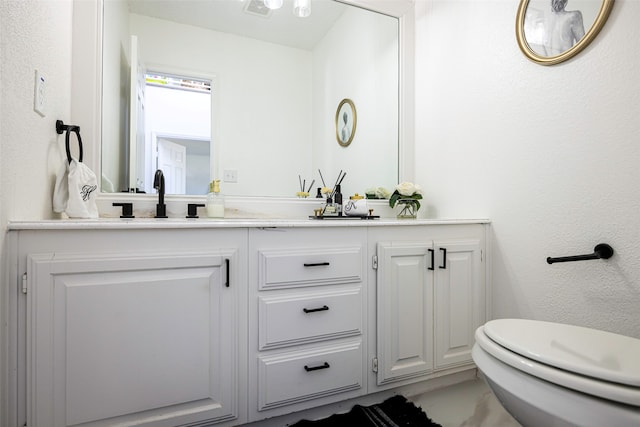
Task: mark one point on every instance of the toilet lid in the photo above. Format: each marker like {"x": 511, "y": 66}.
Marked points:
{"x": 598, "y": 354}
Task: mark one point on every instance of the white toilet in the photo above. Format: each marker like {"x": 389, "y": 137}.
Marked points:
{"x": 550, "y": 374}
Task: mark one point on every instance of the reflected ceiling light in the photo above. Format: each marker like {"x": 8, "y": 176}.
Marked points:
{"x": 302, "y": 8}
{"x": 273, "y": 4}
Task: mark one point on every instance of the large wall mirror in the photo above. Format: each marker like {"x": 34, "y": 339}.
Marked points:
{"x": 232, "y": 90}
{"x": 552, "y": 31}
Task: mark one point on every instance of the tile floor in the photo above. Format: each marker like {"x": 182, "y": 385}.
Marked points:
{"x": 469, "y": 404}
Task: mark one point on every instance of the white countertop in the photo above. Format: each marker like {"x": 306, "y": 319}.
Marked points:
{"x": 173, "y": 223}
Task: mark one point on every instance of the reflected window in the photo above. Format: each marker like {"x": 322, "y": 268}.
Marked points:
{"x": 178, "y": 132}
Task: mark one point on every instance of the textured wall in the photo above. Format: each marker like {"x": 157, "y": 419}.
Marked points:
{"x": 549, "y": 154}
{"x": 35, "y": 35}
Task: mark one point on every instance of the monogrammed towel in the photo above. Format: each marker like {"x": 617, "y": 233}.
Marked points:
{"x": 75, "y": 191}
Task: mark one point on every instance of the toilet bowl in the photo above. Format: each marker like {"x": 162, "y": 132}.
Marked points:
{"x": 550, "y": 374}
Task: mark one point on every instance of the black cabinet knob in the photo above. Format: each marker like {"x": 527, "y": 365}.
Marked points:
{"x": 127, "y": 209}
{"x": 192, "y": 209}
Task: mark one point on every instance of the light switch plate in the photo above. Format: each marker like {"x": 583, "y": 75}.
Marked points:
{"x": 39, "y": 93}
{"x": 230, "y": 175}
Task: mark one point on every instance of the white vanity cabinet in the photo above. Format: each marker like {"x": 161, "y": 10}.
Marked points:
{"x": 132, "y": 327}
{"x": 307, "y": 316}
{"x": 431, "y": 296}
{"x": 162, "y": 324}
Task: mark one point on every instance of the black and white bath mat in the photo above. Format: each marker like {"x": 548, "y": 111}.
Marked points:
{"x": 396, "y": 411}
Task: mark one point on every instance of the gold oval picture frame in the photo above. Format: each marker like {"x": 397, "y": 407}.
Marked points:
{"x": 552, "y": 31}
{"x": 346, "y": 121}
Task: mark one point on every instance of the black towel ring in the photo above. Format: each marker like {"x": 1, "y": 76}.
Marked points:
{"x": 60, "y": 128}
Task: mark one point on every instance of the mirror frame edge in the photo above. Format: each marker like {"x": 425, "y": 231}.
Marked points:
{"x": 86, "y": 73}
{"x": 86, "y": 85}
{"x": 601, "y": 19}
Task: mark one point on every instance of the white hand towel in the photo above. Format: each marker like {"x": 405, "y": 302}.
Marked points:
{"x": 75, "y": 191}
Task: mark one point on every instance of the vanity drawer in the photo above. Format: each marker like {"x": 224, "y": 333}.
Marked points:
{"x": 298, "y": 376}
{"x": 296, "y": 318}
{"x": 297, "y": 267}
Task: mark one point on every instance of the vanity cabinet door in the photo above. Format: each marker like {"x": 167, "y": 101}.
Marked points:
{"x": 404, "y": 310}
{"x": 430, "y": 299}
{"x": 459, "y": 300}
{"x": 135, "y": 340}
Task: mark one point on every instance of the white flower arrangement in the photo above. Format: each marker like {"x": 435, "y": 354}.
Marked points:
{"x": 406, "y": 190}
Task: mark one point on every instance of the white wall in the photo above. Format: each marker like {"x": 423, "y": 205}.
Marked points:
{"x": 549, "y": 154}
{"x": 33, "y": 35}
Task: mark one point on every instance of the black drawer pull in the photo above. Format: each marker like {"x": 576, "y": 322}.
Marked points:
{"x": 444, "y": 258}
{"x": 315, "y": 368}
{"x": 432, "y": 260}
{"x": 316, "y": 264}
{"x": 313, "y": 310}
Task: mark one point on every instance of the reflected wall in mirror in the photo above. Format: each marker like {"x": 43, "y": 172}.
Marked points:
{"x": 552, "y": 31}
{"x": 271, "y": 102}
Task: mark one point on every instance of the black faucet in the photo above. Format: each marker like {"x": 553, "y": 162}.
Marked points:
{"x": 158, "y": 184}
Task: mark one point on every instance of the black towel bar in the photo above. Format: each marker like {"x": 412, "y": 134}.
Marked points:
{"x": 601, "y": 251}
{"x": 60, "y": 128}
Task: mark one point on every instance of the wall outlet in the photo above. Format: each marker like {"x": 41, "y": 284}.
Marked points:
{"x": 230, "y": 175}
{"x": 39, "y": 94}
